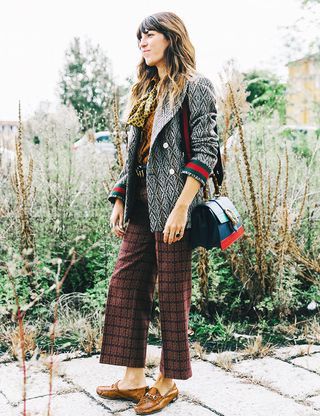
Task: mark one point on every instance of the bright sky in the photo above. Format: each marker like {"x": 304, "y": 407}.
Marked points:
{"x": 35, "y": 34}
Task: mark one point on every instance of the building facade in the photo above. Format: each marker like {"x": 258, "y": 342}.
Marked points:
{"x": 303, "y": 93}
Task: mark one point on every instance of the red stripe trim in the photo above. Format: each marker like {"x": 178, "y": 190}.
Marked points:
{"x": 118, "y": 189}
{"x": 232, "y": 237}
{"x": 198, "y": 168}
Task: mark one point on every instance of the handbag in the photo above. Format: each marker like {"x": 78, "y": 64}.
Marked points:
{"x": 216, "y": 222}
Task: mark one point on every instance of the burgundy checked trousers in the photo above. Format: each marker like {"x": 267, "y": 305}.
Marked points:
{"x": 142, "y": 257}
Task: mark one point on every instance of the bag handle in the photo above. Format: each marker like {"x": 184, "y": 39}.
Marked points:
{"x": 217, "y": 174}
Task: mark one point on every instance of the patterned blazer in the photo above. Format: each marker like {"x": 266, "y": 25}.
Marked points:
{"x": 166, "y": 169}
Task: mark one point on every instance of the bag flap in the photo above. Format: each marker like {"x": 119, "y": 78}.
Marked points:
{"x": 218, "y": 205}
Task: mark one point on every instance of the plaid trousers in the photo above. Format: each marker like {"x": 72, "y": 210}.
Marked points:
{"x": 142, "y": 257}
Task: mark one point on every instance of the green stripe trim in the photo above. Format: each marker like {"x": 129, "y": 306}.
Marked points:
{"x": 117, "y": 194}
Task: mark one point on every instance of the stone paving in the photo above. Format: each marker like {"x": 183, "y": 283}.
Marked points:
{"x": 284, "y": 383}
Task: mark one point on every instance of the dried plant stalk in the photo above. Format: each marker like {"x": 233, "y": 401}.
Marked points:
{"x": 303, "y": 202}
{"x": 203, "y": 271}
{"x": 22, "y": 189}
{"x": 20, "y": 317}
{"x": 117, "y": 136}
{"x": 255, "y": 216}
{"x": 243, "y": 187}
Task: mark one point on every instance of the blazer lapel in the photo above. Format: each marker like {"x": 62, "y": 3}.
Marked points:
{"x": 164, "y": 114}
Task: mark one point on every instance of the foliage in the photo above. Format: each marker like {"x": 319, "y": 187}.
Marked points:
{"x": 86, "y": 84}
{"x": 267, "y": 94}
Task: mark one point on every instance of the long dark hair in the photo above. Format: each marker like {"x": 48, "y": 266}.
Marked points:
{"x": 179, "y": 58}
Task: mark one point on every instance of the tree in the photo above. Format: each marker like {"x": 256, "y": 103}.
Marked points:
{"x": 267, "y": 93}
{"x": 86, "y": 83}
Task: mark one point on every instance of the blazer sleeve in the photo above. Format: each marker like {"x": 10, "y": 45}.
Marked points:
{"x": 119, "y": 188}
{"x": 204, "y": 140}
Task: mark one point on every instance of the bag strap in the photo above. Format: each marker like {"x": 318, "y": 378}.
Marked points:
{"x": 218, "y": 169}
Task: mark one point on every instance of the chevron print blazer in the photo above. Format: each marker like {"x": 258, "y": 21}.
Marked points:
{"x": 166, "y": 170}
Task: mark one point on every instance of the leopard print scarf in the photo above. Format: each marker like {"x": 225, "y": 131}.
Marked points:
{"x": 144, "y": 106}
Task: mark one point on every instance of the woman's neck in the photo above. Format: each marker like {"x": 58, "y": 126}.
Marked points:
{"x": 162, "y": 71}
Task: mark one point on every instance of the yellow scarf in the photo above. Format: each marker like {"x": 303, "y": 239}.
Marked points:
{"x": 144, "y": 107}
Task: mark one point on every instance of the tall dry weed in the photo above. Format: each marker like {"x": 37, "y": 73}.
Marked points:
{"x": 22, "y": 188}
{"x": 269, "y": 256}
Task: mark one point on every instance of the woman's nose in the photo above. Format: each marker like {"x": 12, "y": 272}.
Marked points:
{"x": 144, "y": 41}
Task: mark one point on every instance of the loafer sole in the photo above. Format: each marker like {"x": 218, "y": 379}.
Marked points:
{"x": 119, "y": 397}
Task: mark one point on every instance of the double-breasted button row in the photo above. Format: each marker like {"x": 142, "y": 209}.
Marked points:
{"x": 165, "y": 145}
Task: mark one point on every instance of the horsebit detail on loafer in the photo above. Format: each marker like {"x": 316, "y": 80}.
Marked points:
{"x": 153, "y": 396}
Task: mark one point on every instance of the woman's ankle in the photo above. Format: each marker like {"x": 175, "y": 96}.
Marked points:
{"x": 135, "y": 376}
{"x": 165, "y": 380}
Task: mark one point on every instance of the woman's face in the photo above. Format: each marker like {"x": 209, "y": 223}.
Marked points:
{"x": 152, "y": 45}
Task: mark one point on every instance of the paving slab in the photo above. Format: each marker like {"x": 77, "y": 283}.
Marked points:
{"x": 220, "y": 391}
{"x": 284, "y": 377}
{"x": 11, "y": 382}
{"x": 153, "y": 356}
{"x": 5, "y": 408}
{"x": 309, "y": 362}
{"x": 295, "y": 350}
{"x": 214, "y": 357}
{"x": 314, "y": 401}
{"x": 70, "y": 404}
{"x": 179, "y": 408}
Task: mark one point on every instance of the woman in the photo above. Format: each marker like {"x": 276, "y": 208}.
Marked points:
{"x": 153, "y": 199}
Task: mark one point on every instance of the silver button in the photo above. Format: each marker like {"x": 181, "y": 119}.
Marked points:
{"x": 171, "y": 171}
{"x": 165, "y": 145}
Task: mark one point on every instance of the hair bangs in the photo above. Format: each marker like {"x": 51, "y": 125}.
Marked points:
{"x": 148, "y": 23}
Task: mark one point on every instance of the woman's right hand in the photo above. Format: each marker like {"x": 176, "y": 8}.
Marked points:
{"x": 116, "y": 218}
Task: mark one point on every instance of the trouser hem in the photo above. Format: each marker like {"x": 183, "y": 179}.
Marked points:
{"x": 176, "y": 375}
{"x": 104, "y": 359}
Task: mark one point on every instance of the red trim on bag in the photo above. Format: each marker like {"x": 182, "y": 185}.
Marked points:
{"x": 198, "y": 168}
{"x": 118, "y": 189}
{"x": 232, "y": 237}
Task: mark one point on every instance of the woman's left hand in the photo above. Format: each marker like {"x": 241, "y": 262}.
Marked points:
{"x": 176, "y": 223}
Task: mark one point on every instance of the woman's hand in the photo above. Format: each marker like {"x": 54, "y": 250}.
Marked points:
{"x": 176, "y": 223}
{"x": 177, "y": 219}
{"x": 116, "y": 218}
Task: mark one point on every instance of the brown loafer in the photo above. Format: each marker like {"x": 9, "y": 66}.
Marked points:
{"x": 153, "y": 401}
{"x": 113, "y": 392}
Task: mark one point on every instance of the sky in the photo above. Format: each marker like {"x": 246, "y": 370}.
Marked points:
{"x": 34, "y": 36}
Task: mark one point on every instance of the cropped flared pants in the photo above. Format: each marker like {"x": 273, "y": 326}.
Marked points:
{"x": 142, "y": 257}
